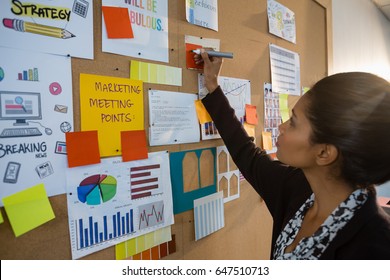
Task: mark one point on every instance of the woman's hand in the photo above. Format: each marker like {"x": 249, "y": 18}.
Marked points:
{"x": 212, "y": 68}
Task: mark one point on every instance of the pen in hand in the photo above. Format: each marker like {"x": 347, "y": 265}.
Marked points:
{"x": 215, "y": 53}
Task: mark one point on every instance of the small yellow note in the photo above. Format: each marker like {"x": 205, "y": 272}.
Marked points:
{"x": 203, "y": 115}
{"x": 267, "y": 140}
{"x": 28, "y": 209}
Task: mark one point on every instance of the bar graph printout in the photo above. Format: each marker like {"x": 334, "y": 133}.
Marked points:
{"x": 114, "y": 201}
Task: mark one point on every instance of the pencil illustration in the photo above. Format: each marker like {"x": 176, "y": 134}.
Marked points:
{"x": 46, "y": 30}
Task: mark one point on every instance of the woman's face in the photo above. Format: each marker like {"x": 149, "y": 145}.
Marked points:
{"x": 293, "y": 145}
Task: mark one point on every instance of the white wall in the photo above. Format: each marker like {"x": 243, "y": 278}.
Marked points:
{"x": 361, "y": 42}
{"x": 361, "y": 38}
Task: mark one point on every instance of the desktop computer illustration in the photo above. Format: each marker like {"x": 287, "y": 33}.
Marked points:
{"x": 20, "y": 107}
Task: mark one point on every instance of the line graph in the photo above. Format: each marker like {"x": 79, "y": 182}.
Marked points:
{"x": 151, "y": 214}
{"x": 237, "y": 91}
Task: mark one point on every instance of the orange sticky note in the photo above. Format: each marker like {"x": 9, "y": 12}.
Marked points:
{"x": 190, "y": 56}
{"x": 134, "y": 145}
{"x": 117, "y": 22}
{"x": 267, "y": 140}
{"x": 251, "y": 115}
{"x": 82, "y": 148}
{"x": 203, "y": 115}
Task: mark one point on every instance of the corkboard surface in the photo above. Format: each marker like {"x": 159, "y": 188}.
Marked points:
{"x": 243, "y": 30}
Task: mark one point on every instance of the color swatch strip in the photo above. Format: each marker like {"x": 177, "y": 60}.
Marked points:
{"x": 155, "y": 73}
{"x": 139, "y": 244}
{"x": 157, "y": 252}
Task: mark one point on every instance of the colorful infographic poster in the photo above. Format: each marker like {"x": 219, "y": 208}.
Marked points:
{"x": 114, "y": 201}
{"x": 281, "y": 21}
{"x": 35, "y": 113}
{"x": 62, "y": 27}
{"x": 148, "y": 38}
{"x": 203, "y": 13}
{"x": 111, "y": 105}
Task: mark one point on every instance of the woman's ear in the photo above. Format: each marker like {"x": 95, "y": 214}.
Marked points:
{"x": 327, "y": 154}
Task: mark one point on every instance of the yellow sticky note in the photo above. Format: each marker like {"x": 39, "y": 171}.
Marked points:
{"x": 250, "y": 129}
{"x": 283, "y": 107}
{"x": 267, "y": 140}
{"x": 111, "y": 105}
{"x": 28, "y": 209}
{"x": 203, "y": 115}
{"x": 1, "y": 218}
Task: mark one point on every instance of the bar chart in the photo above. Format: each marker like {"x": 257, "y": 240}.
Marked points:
{"x": 29, "y": 75}
{"x": 94, "y": 230}
{"x": 145, "y": 181}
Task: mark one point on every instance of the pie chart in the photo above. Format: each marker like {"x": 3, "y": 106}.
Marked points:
{"x": 1, "y": 74}
{"x": 97, "y": 189}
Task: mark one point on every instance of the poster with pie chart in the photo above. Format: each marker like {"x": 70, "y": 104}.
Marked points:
{"x": 97, "y": 189}
{"x": 114, "y": 201}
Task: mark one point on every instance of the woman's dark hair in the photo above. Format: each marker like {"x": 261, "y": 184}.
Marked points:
{"x": 352, "y": 112}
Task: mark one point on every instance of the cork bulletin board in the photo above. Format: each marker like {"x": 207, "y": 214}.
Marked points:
{"x": 243, "y": 30}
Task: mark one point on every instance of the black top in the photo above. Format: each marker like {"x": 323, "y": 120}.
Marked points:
{"x": 284, "y": 190}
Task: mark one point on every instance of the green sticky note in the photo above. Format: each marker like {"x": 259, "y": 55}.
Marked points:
{"x": 28, "y": 209}
{"x": 283, "y": 107}
{"x": 1, "y": 218}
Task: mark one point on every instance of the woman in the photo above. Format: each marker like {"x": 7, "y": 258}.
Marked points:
{"x": 334, "y": 149}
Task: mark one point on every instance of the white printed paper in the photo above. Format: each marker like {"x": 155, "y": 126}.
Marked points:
{"x": 172, "y": 118}
{"x": 281, "y": 21}
{"x": 209, "y": 215}
{"x": 149, "y": 22}
{"x": 285, "y": 70}
{"x": 203, "y": 13}
{"x": 36, "y": 111}
{"x": 114, "y": 201}
{"x": 58, "y": 27}
{"x": 237, "y": 91}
